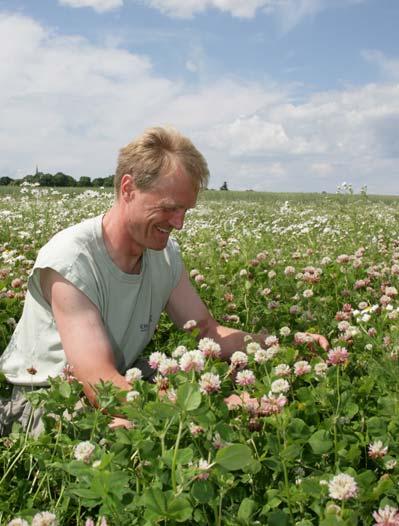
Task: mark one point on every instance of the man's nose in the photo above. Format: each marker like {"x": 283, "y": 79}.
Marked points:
{"x": 177, "y": 219}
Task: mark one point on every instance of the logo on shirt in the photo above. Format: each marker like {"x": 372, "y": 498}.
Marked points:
{"x": 144, "y": 327}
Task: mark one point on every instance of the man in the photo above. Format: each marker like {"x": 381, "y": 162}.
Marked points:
{"x": 97, "y": 289}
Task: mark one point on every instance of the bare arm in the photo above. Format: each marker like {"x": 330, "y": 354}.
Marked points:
{"x": 84, "y": 339}
{"x": 185, "y": 304}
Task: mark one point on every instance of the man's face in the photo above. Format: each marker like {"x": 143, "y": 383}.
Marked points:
{"x": 152, "y": 214}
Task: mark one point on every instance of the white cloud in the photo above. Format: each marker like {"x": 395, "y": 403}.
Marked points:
{"x": 288, "y": 12}
{"x": 70, "y": 105}
{"x": 346, "y": 124}
{"x": 189, "y": 8}
{"x": 389, "y": 66}
{"x": 322, "y": 169}
{"x": 98, "y": 5}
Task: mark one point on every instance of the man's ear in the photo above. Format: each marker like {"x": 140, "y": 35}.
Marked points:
{"x": 127, "y": 187}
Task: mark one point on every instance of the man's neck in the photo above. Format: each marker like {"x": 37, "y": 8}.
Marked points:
{"x": 117, "y": 243}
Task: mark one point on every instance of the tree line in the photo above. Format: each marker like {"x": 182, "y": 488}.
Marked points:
{"x": 58, "y": 179}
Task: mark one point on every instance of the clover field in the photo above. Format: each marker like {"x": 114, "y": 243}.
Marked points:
{"x": 286, "y": 434}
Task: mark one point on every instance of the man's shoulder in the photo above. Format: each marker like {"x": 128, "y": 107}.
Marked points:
{"x": 75, "y": 234}
{"x": 71, "y": 241}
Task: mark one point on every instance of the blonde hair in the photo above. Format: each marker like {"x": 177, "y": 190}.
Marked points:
{"x": 157, "y": 151}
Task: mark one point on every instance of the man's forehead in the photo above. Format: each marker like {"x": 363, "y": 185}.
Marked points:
{"x": 171, "y": 202}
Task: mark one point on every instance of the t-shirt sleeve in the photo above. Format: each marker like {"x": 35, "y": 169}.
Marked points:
{"x": 71, "y": 264}
{"x": 176, "y": 262}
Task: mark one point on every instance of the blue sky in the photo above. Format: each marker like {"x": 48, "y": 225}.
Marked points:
{"x": 279, "y": 95}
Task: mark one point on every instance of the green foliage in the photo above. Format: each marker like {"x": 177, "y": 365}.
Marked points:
{"x": 187, "y": 457}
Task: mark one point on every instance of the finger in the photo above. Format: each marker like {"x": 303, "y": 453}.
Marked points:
{"x": 322, "y": 341}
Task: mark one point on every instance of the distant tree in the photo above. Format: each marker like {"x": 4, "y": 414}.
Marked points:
{"x": 4, "y": 181}
{"x": 29, "y": 179}
{"x": 84, "y": 181}
{"x": 109, "y": 181}
{"x": 99, "y": 181}
{"x": 61, "y": 179}
{"x": 44, "y": 179}
{"x": 224, "y": 186}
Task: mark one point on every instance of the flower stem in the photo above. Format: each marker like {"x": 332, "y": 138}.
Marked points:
{"x": 335, "y": 419}
{"x": 281, "y": 431}
{"x": 174, "y": 461}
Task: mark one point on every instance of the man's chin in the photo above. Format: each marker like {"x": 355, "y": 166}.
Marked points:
{"x": 158, "y": 245}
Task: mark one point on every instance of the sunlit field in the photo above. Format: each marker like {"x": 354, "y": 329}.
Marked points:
{"x": 283, "y": 435}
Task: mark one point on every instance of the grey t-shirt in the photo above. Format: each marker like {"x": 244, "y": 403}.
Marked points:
{"x": 130, "y": 304}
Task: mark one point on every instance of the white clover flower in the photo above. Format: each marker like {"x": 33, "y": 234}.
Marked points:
{"x": 132, "y": 395}
{"x": 155, "y": 359}
{"x": 133, "y": 375}
{"x": 209, "y": 383}
{"x": 45, "y": 518}
{"x": 83, "y": 451}
{"x": 285, "y": 331}
{"x": 280, "y": 386}
{"x": 168, "y": 366}
{"x": 271, "y": 404}
{"x": 192, "y": 361}
{"x": 302, "y": 367}
{"x": 239, "y": 359}
{"x": 387, "y": 516}
{"x": 338, "y": 355}
{"x": 261, "y": 356}
{"x": 252, "y": 347}
{"x": 307, "y": 293}
{"x": 342, "y": 487}
{"x": 391, "y": 291}
{"x": 352, "y": 332}
{"x": 209, "y": 348}
{"x": 320, "y": 369}
{"x": 271, "y": 341}
{"x": 282, "y": 370}
{"x": 204, "y": 468}
{"x": 196, "y": 429}
{"x": 245, "y": 377}
{"x": 377, "y": 449}
{"x": 390, "y": 464}
{"x": 303, "y": 337}
{"x": 190, "y": 324}
{"x": 18, "y": 522}
{"x": 343, "y": 326}
{"x": 179, "y": 351}
{"x": 271, "y": 352}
